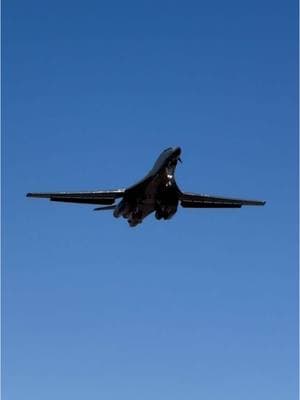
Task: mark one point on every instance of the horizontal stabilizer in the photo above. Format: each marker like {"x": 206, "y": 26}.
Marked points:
{"x": 104, "y": 208}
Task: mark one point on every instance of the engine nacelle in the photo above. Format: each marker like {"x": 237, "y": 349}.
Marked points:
{"x": 166, "y": 211}
{"x": 122, "y": 209}
{"x": 128, "y": 211}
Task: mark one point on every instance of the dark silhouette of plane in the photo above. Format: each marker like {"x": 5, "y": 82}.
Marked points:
{"x": 157, "y": 192}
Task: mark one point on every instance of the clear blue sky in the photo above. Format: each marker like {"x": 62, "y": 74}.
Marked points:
{"x": 200, "y": 307}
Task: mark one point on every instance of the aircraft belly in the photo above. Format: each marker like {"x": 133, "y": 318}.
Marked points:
{"x": 147, "y": 210}
{"x": 147, "y": 206}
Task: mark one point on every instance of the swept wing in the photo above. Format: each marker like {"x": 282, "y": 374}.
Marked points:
{"x": 92, "y": 197}
{"x": 193, "y": 200}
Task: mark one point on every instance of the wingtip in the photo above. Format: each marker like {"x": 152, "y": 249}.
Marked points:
{"x": 254, "y": 203}
{"x": 262, "y": 203}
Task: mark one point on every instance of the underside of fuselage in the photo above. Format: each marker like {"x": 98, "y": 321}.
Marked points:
{"x": 157, "y": 192}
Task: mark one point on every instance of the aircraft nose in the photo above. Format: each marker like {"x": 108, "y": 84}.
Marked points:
{"x": 177, "y": 151}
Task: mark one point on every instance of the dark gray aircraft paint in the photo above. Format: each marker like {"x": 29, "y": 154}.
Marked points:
{"x": 157, "y": 192}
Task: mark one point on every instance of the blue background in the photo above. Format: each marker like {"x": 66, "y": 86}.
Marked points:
{"x": 200, "y": 307}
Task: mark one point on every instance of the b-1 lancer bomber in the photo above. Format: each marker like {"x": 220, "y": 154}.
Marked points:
{"x": 157, "y": 192}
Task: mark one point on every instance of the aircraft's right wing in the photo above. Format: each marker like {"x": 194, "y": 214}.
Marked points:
{"x": 93, "y": 197}
{"x": 192, "y": 200}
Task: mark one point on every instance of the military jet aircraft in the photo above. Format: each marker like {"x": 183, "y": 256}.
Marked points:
{"x": 156, "y": 192}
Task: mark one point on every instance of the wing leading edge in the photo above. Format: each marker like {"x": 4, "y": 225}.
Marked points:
{"x": 192, "y": 200}
{"x": 93, "y": 197}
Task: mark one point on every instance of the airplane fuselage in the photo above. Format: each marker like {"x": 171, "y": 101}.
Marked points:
{"x": 157, "y": 192}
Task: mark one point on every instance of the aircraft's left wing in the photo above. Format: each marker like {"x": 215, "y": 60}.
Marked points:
{"x": 192, "y": 200}
{"x": 94, "y": 197}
